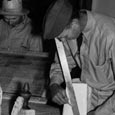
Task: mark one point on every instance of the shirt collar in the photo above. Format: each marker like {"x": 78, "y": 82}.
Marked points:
{"x": 89, "y": 25}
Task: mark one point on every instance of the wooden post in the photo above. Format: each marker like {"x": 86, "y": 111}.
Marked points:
{"x": 1, "y": 93}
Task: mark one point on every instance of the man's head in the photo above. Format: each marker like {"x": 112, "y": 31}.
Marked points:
{"x": 72, "y": 31}
{"x": 13, "y": 20}
{"x": 76, "y": 27}
{"x": 12, "y": 11}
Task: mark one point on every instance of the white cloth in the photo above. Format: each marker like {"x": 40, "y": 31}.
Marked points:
{"x": 82, "y": 97}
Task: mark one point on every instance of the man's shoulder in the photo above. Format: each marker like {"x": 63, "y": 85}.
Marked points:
{"x": 27, "y": 21}
{"x": 102, "y": 20}
{"x": 100, "y": 16}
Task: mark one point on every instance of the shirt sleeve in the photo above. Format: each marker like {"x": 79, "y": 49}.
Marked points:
{"x": 56, "y": 75}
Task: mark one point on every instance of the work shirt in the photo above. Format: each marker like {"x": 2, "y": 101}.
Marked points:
{"x": 19, "y": 37}
{"x": 96, "y": 59}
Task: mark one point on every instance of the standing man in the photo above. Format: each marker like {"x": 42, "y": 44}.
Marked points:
{"x": 96, "y": 59}
{"x": 15, "y": 28}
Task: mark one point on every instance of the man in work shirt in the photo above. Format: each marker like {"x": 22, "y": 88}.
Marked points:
{"x": 15, "y": 28}
{"x": 96, "y": 60}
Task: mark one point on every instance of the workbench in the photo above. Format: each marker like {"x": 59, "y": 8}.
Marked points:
{"x": 41, "y": 109}
{"x": 16, "y": 68}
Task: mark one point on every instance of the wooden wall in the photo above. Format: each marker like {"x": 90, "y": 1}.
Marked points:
{"x": 104, "y": 6}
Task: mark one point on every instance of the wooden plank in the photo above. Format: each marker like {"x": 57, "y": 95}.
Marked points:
{"x": 17, "y": 105}
{"x": 23, "y": 53}
{"x": 67, "y": 77}
{"x": 81, "y": 90}
{"x": 33, "y": 99}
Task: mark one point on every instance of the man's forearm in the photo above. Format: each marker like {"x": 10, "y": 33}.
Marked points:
{"x": 54, "y": 88}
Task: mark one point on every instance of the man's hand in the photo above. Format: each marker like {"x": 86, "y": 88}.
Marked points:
{"x": 58, "y": 94}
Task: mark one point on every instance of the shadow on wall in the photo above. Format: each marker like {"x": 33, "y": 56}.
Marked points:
{"x": 37, "y": 11}
{"x": 0, "y": 3}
